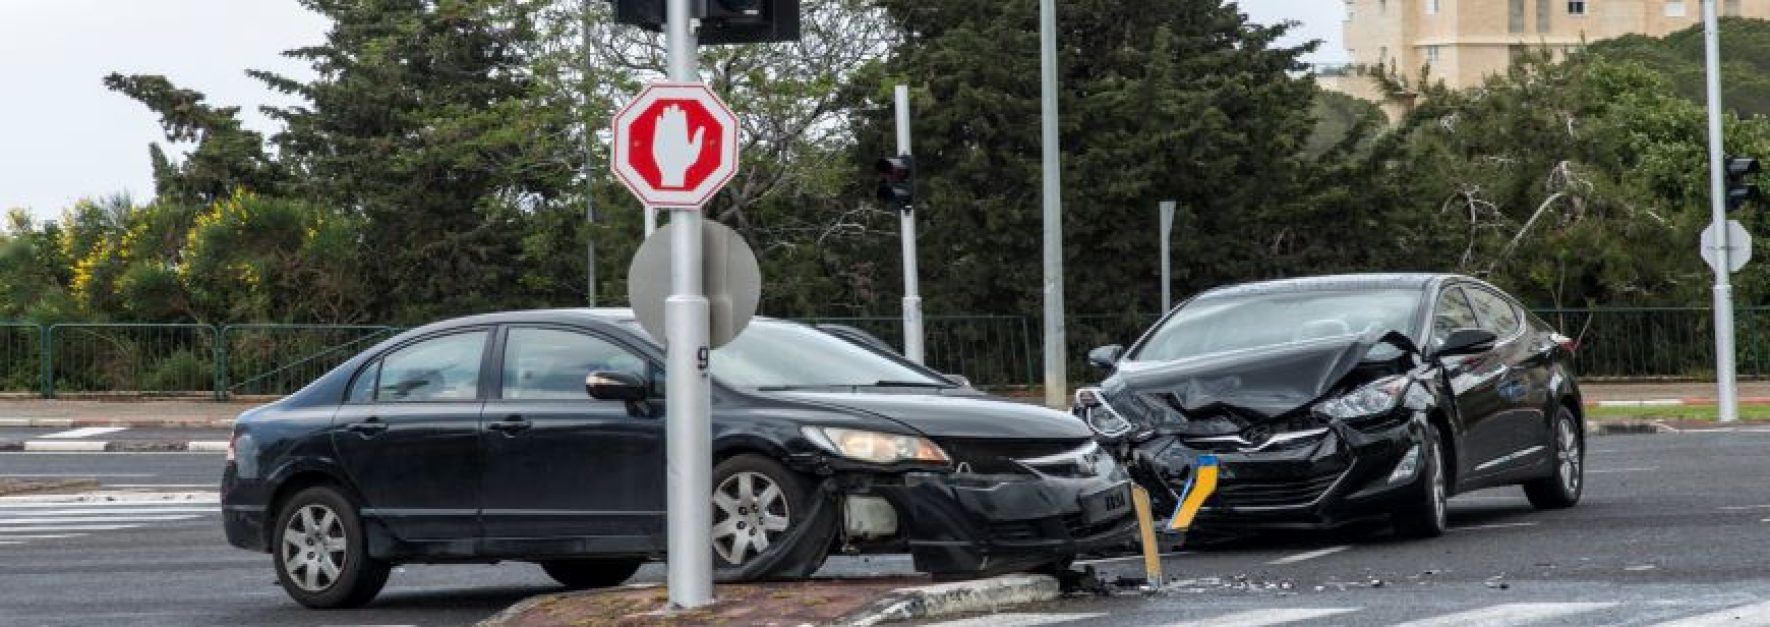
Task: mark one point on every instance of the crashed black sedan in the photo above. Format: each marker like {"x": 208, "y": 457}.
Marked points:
{"x": 538, "y": 436}
{"x": 1336, "y": 399}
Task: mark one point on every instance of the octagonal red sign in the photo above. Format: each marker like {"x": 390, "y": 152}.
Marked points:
{"x": 675, "y": 145}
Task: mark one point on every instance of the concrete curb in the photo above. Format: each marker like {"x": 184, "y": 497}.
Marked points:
{"x": 959, "y": 597}
{"x": 114, "y": 446}
{"x": 142, "y": 423}
{"x": 1687, "y": 401}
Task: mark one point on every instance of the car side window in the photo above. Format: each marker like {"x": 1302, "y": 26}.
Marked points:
{"x": 438, "y": 369}
{"x": 1453, "y": 312}
{"x": 1496, "y": 314}
{"x": 362, "y": 390}
{"x": 551, "y": 363}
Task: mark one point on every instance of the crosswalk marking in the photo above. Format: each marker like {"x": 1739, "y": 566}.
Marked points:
{"x": 49, "y": 536}
{"x": 1308, "y": 556}
{"x": 1507, "y": 614}
{"x": 28, "y": 518}
{"x": 82, "y": 432}
{"x": 72, "y": 528}
{"x": 1012, "y": 619}
{"x": 93, "y": 519}
{"x": 1263, "y": 618}
{"x": 1753, "y": 615}
{"x": 84, "y": 511}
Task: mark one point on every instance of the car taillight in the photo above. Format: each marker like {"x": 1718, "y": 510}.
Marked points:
{"x": 1566, "y": 343}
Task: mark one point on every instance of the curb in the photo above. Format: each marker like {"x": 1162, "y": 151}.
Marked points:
{"x": 959, "y": 597}
{"x": 115, "y": 446}
{"x": 146, "y": 423}
{"x": 1687, "y": 401}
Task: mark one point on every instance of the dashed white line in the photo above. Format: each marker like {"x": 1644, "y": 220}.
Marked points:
{"x": 1309, "y": 555}
{"x": 63, "y": 446}
{"x": 1507, "y": 614}
{"x": 82, "y": 432}
{"x": 1596, "y": 471}
{"x": 1014, "y": 619}
{"x": 1754, "y": 615}
{"x": 1262, "y": 618}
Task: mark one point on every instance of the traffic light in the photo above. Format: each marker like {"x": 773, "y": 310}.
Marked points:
{"x": 897, "y": 182}
{"x": 1741, "y": 188}
{"x": 722, "y": 21}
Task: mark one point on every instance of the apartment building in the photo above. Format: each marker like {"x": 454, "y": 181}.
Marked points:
{"x": 1462, "y": 41}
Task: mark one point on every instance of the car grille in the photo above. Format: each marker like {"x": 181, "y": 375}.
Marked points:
{"x": 991, "y": 456}
{"x": 1271, "y": 493}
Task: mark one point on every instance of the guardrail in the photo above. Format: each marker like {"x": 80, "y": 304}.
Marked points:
{"x": 1000, "y": 351}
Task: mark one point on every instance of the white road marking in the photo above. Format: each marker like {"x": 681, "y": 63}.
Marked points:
{"x": 82, "y": 432}
{"x": 1494, "y": 526}
{"x": 74, "y": 475}
{"x": 85, "y": 511}
{"x": 1015, "y": 619}
{"x": 64, "y": 446}
{"x": 106, "y": 497}
{"x": 1507, "y": 614}
{"x": 1754, "y": 615}
{"x": 69, "y": 528}
{"x": 50, "y": 536}
{"x": 1605, "y": 470}
{"x": 1308, "y": 556}
{"x": 1262, "y": 618}
{"x": 1737, "y": 508}
{"x": 206, "y": 446}
{"x": 163, "y": 486}
{"x": 91, "y": 519}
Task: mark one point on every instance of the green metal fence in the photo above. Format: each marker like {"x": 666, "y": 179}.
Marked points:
{"x": 993, "y": 351}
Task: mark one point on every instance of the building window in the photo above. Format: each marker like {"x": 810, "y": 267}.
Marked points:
{"x": 1516, "y": 14}
{"x": 1576, "y": 7}
{"x": 1675, "y": 8}
{"x": 1432, "y": 7}
{"x": 1434, "y": 53}
{"x": 1545, "y": 15}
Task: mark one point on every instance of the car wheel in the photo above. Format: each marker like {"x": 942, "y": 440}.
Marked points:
{"x": 591, "y": 573}
{"x": 321, "y": 558}
{"x": 1562, "y": 488}
{"x": 766, "y": 522}
{"x": 1427, "y": 518}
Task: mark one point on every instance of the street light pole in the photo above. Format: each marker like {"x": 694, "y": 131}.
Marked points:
{"x": 1167, "y": 208}
{"x": 1724, "y": 366}
{"x": 912, "y": 296}
{"x": 589, "y": 161}
{"x": 1056, "y": 365}
{"x": 687, "y": 405}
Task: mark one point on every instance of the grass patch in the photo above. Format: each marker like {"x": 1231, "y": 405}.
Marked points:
{"x": 1683, "y": 412}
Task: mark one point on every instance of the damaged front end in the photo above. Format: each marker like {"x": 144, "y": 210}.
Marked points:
{"x": 1307, "y": 434}
{"x": 1000, "y": 506}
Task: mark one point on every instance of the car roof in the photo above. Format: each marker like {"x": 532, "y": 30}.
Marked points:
{"x": 612, "y": 315}
{"x": 1399, "y": 280}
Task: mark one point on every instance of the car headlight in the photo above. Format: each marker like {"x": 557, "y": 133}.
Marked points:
{"x": 1375, "y": 398}
{"x": 876, "y": 447}
{"x": 1092, "y": 408}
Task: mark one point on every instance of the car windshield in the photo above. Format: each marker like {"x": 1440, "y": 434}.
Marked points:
{"x": 772, "y": 354}
{"x": 1215, "y": 325}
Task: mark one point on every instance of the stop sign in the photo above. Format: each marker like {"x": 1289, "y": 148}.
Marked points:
{"x": 675, "y": 145}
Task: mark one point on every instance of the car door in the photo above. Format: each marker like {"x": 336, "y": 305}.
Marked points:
{"x": 560, "y": 464}
{"x": 409, "y": 436}
{"x": 1523, "y": 383}
{"x": 1474, "y": 383}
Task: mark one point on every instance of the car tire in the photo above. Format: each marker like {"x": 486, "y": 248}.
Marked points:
{"x": 320, "y": 552}
{"x": 591, "y": 573}
{"x": 1427, "y": 517}
{"x": 1562, "y": 488}
{"x": 767, "y": 523}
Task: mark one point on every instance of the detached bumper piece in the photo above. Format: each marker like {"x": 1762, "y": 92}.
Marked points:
{"x": 977, "y": 524}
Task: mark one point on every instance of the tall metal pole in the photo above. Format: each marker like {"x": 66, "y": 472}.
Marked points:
{"x": 912, "y": 295}
{"x": 589, "y": 176}
{"x": 1724, "y": 367}
{"x": 1167, "y": 259}
{"x": 688, "y": 426}
{"x": 1056, "y": 364}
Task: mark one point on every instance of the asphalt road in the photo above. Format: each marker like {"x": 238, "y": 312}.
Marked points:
{"x": 1672, "y": 526}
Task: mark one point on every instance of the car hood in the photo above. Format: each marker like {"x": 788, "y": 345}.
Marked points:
{"x": 1254, "y": 385}
{"x": 955, "y": 416}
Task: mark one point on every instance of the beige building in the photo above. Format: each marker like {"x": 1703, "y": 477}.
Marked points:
{"x": 1462, "y": 41}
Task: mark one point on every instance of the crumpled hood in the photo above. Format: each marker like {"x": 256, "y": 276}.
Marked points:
{"x": 954, "y": 416}
{"x": 1256, "y": 385}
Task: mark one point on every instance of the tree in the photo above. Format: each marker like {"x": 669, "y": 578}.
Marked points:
{"x": 227, "y": 156}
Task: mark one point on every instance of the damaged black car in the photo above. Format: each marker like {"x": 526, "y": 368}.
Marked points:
{"x": 539, "y": 436}
{"x": 1338, "y": 399}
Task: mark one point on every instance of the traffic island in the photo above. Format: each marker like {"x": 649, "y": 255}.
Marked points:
{"x": 846, "y": 602}
{"x": 15, "y": 486}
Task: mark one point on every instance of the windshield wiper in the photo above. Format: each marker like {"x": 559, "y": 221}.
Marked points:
{"x": 910, "y": 384}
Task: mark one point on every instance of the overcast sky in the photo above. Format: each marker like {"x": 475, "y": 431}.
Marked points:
{"x": 63, "y": 136}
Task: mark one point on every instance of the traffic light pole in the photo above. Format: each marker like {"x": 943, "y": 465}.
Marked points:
{"x": 912, "y": 295}
{"x": 1056, "y": 364}
{"x": 1724, "y": 366}
{"x": 687, "y": 405}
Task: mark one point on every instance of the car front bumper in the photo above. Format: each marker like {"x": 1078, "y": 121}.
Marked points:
{"x": 1346, "y": 476}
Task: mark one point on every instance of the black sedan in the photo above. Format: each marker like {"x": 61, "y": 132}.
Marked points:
{"x": 538, "y": 436}
{"x": 1336, "y": 399}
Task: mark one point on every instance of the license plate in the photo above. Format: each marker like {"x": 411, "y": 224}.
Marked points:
{"x": 1106, "y": 504}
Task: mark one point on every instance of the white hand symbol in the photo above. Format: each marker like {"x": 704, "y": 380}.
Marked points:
{"x": 671, "y": 147}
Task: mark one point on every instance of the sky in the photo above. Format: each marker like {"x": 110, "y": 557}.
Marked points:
{"x": 63, "y": 136}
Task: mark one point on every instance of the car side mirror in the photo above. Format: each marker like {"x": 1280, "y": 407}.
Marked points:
{"x": 1466, "y": 342}
{"x": 1106, "y": 357}
{"x": 958, "y": 379}
{"x": 616, "y": 386}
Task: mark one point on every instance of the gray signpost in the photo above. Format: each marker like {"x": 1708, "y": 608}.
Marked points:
{"x": 1718, "y": 256}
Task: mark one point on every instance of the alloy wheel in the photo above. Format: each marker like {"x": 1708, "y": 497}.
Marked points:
{"x": 750, "y": 513}
{"x": 1568, "y": 451}
{"x": 313, "y": 548}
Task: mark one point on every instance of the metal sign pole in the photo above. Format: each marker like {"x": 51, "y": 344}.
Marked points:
{"x": 688, "y": 426}
{"x": 1167, "y": 261}
{"x": 912, "y": 296}
{"x": 651, "y": 220}
{"x": 1724, "y": 367}
{"x": 1056, "y": 365}
{"x": 589, "y": 174}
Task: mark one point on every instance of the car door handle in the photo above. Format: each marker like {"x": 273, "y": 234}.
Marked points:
{"x": 510, "y": 425}
{"x": 369, "y": 427}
